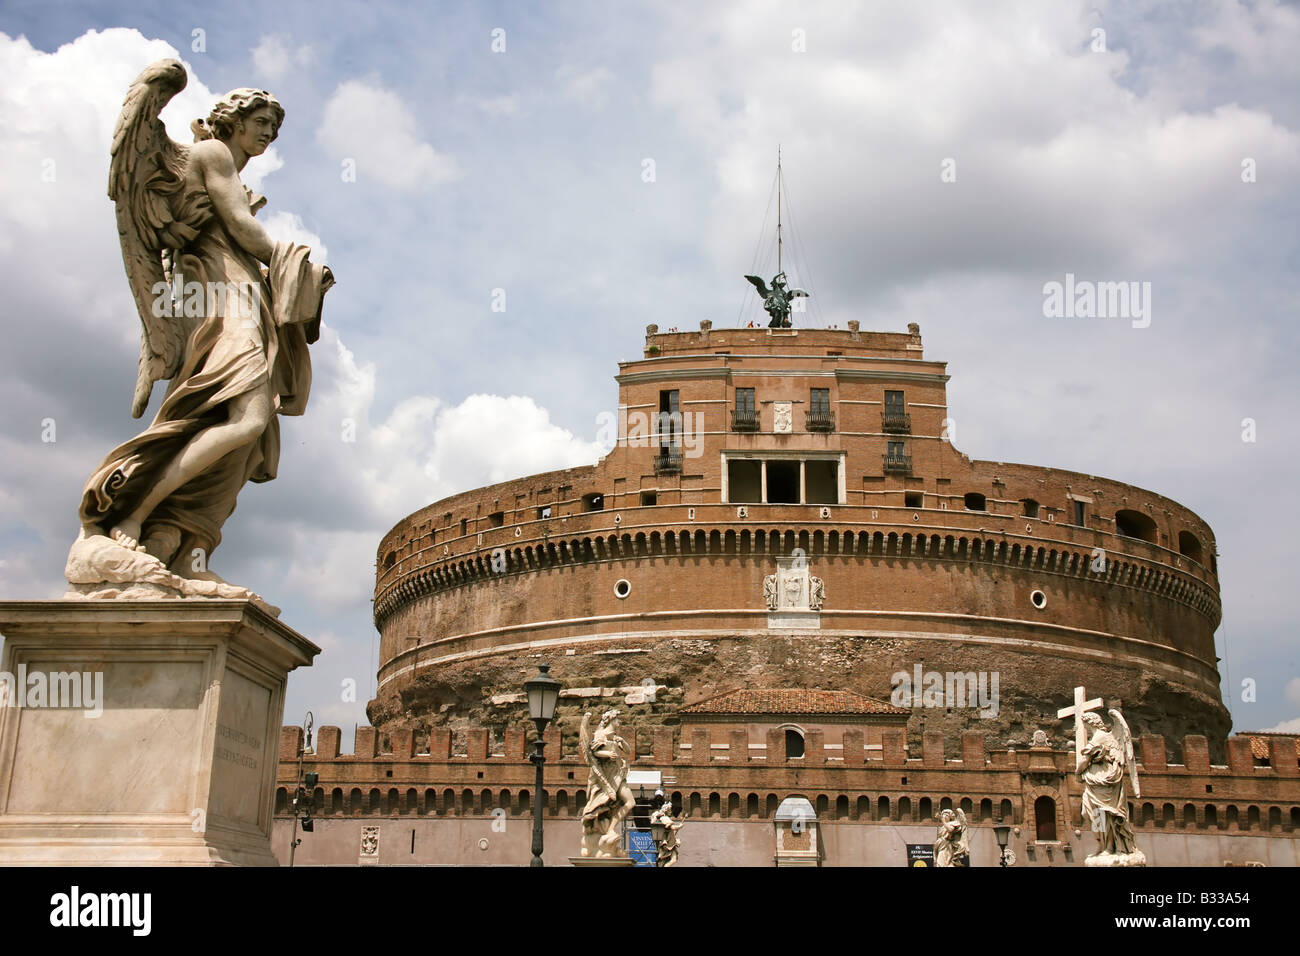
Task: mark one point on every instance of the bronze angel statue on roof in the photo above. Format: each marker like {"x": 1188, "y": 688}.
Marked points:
{"x": 227, "y": 317}
{"x": 777, "y": 299}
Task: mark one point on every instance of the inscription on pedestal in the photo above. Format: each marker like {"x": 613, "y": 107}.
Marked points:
{"x": 239, "y": 751}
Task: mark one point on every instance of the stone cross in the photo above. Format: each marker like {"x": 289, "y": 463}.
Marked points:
{"x": 1077, "y": 711}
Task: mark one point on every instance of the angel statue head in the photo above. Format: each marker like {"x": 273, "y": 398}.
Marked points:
{"x": 230, "y": 115}
{"x": 608, "y": 717}
{"x": 1093, "y": 721}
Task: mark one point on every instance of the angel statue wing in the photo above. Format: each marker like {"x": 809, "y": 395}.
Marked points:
{"x": 146, "y": 178}
{"x": 760, "y": 285}
{"x": 1124, "y": 737}
{"x": 961, "y": 816}
{"x": 584, "y": 737}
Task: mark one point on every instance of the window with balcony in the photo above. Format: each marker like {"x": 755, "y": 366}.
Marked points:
{"x": 896, "y": 419}
{"x": 897, "y": 460}
{"x": 669, "y": 459}
{"x": 670, "y": 418}
{"x": 820, "y": 417}
{"x": 744, "y": 418}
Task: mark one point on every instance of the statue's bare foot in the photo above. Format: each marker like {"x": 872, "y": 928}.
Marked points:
{"x": 127, "y": 534}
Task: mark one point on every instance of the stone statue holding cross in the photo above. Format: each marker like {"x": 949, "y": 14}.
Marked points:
{"x": 1105, "y": 762}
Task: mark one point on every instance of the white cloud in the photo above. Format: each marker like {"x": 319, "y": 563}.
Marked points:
{"x": 273, "y": 57}
{"x": 287, "y": 227}
{"x": 373, "y": 126}
{"x": 1293, "y": 690}
{"x": 1291, "y": 726}
{"x": 506, "y": 105}
{"x": 587, "y": 87}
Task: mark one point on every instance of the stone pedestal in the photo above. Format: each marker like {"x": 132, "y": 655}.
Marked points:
{"x": 178, "y": 768}
{"x": 601, "y": 861}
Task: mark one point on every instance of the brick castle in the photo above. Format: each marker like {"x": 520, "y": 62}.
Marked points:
{"x": 747, "y": 456}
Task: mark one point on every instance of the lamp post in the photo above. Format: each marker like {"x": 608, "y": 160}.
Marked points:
{"x": 543, "y": 693}
{"x": 1003, "y": 833}
{"x": 301, "y": 801}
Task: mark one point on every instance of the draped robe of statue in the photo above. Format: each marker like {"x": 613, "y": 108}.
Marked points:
{"x": 233, "y": 347}
{"x": 1105, "y": 793}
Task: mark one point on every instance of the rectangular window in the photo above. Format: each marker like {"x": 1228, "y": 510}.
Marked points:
{"x": 744, "y": 481}
{"x": 670, "y": 420}
{"x": 464, "y": 527}
{"x": 914, "y": 499}
{"x": 543, "y": 512}
{"x": 649, "y": 498}
{"x": 821, "y": 482}
{"x": 820, "y": 401}
{"x": 745, "y": 402}
{"x": 893, "y": 403}
{"x": 1078, "y": 513}
{"x": 782, "y": 482}
{"x": 897, "y": 449}
{"x": 496, "y": 519}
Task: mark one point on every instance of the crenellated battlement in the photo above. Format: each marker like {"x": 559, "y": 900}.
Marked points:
{"x": 476, "y": 771}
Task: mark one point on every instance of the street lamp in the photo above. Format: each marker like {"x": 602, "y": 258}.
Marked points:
{"x": 1003, "y": 833}
{"x": 303, "y": 797}
{"x": 543, "y": 693}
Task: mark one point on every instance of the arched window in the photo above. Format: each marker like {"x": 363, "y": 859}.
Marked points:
{"x": 1189, "y": 546}
{"x": 793, "y": 743}
{"x": 1135, "y": 524}
{"x": 1045, "y": 819}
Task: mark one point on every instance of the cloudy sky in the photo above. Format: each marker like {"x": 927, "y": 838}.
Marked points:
{"x": 608, "y": 168}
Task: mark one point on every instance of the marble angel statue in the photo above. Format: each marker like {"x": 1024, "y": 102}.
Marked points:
{"x": 671, "y": 844}
{"x": 1108, "y": 769}
{"x": 609, "y": 798}
{"x": 952, "y": 842}
{"x": 227, "y": 317}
